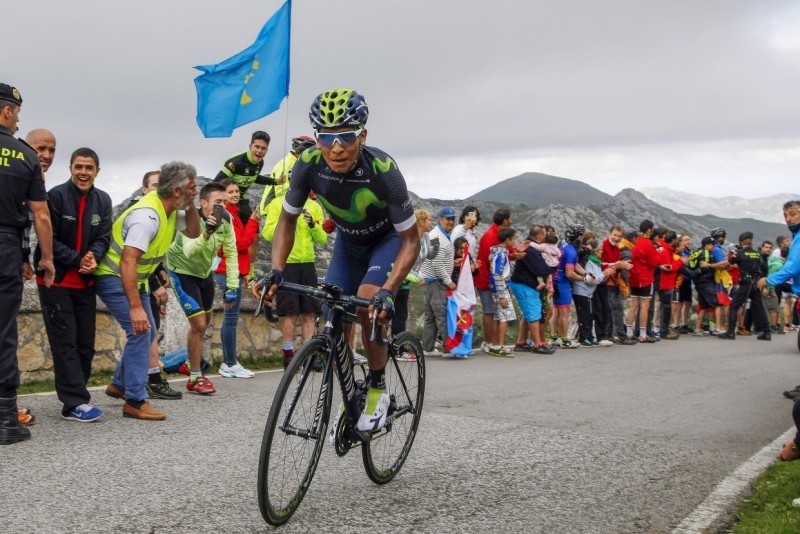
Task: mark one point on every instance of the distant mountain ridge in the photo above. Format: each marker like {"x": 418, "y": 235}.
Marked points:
{"x": 763, "y": 209}
{"x": 537, "y": 190}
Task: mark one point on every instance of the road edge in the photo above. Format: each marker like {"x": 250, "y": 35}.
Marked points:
{"x": 719, "y": 504}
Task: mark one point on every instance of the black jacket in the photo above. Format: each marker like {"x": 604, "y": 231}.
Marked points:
{"x": 63, "y": 201}
{"x": 529, "y": 268}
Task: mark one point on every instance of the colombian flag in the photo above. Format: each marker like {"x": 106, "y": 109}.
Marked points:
{"x": 460, "y": 302}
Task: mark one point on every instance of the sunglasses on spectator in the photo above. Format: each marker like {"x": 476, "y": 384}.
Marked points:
{"x": 345, "y": 139}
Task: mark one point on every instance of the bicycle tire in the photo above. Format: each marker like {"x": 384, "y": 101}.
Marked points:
{"x": 289, "y": 459}
{"x": 388, "y": 450}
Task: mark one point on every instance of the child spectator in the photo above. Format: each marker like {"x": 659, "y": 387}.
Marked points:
{"x": 550, "y": 253}
{"x": 459, "y": 246}
{"x": 500, "y": 271}
{"x": 583, "y": 290}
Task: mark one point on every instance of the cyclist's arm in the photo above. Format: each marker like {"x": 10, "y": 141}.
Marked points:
{"x": 409, "y": 250}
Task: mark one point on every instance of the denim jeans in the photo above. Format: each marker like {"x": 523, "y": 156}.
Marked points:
{"x": 131, "y": 372}
{"x": 230, "y": 322}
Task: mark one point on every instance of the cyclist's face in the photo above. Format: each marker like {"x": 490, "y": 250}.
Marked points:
{"x": 232, "y": 194}
{"x": 341, "y": 158}
{"x": 258, "y": 149}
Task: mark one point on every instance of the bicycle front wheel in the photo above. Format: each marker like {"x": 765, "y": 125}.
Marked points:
{"x": 385, "y": 454}
{"x": 295, "y": 434}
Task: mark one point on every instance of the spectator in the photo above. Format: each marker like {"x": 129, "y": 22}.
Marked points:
{"x": 245, "y": 235}
{"x": 784, "y": 290}
{"x": 435, "y": 279}
{"x": 500, "y": 269}
{"x": 300, "y": 269}
{"x": 700, "y": 263}
{"x": 189, "y": 262}
{"x": 282, "y": 171}
{"x": 565, "y": 275}
{"x": 722, "y": 279}
{"x": 613, "y": 309}
{"x": 81, "y": 219}
{"x": 470, "y": 217}
{"x": 527, "y": 278}
{"x": 670, "y": 264}
{"x": 583, "y": 290}
{"x": 460, "y": 245}
{"x": 750, "y": 265}
{"x": 644, "y": 261}
{"x": 501, "y": 218}
{"x": 140, "y": 238}
{"x": 683, "y": 311}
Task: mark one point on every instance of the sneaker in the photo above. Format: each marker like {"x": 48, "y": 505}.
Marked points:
{"x": 556, "y": 341}
{"x": 586, "y": 343}
{"x": 699, "y": 333}
{"x": 523, "y": 347}
{"x": 713, "y": 332}
{"x": 25, "y": 417}
{"x": 773, "y": 329}
{"x": 764, "y": 336}
{"x": 647, "y": 339}
{"x": 359, "y": 359}
{"x": 792, "y": 394}
{"x": 432, "y": 353}
{"x": 85, "y": 413}
{"x": 569, "y": 344}
{"x": 629, "y": 340}
{"x": 672, "y": 335}
{"x": 726, "y": 335}
{"x": 788, "y": 329}
{"x": 163, "y": 391}
{"x": 202, "y": 386}
{"x": 684, "y": 329}
{"x": 743, "y": 332}
{"x": 457, "y": 356}
{"x": 543, "y": 349}
{"x": 375, "y": 411}
{"x": 446, "y": 355}
{"x": 184, "y": 369}
{"x": 485, "y": 347}
{"x": 235, "y": 371}
{"x": 407, "y": 357}
{"x": 605, "y": 343}
{"x": 500, "y": 352}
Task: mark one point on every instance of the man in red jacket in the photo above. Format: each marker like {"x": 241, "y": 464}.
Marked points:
{"x": 502, "y": 218}
{"x": 641, "y": 278}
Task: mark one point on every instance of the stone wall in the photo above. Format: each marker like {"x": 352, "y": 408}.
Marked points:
{"x": 256, "y": 337}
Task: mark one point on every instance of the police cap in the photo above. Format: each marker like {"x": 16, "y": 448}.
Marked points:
{"x": 10, "y": 94}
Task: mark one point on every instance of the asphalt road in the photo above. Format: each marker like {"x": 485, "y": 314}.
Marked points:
{"x": 620, "y": 439}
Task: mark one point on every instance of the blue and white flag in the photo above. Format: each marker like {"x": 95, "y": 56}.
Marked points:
{"x": 249, "y": 85}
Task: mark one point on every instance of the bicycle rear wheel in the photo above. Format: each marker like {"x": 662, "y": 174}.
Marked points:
{"x": 385, "y": 454}
{"x": 294, "y": 434}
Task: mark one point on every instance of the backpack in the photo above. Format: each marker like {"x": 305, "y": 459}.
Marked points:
{"x": 171, "y": 363}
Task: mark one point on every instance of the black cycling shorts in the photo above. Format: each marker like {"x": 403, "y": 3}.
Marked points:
{"x": 292, "y": 303}
{"x": 352, "y": 266}
{"x": 196, "y": 295}
{"x": 707, "y": 296}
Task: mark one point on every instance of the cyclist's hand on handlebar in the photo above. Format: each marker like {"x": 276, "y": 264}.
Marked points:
{"x": 383, "y": 305}
{"x": 273, "y": 279}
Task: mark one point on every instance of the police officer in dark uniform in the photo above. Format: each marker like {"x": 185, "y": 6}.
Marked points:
{"x": 751, "y": 267}
{"x": 23, "y": 190}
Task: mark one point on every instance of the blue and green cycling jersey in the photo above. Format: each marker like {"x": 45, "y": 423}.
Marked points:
{"x": 365, "y": 203}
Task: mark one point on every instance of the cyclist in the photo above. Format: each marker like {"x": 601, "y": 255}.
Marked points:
{"x": 378, "y": 242}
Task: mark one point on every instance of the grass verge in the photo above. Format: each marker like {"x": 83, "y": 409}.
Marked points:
{"x": 769, "y": 509}
{"x": 102, "y": 378}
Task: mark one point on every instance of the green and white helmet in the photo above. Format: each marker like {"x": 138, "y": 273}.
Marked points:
{"x": 336, "y": 108}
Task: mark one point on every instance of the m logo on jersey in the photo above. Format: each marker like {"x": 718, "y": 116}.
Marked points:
{"x": 359, "y": 202}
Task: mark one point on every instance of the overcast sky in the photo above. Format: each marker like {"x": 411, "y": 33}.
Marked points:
{"x": 696, "y": 96}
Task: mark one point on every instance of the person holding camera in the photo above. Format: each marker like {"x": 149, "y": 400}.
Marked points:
{"x": 751, "y": 267}
{"x": 189, "y": 264}
{"x": 470, "y": 217}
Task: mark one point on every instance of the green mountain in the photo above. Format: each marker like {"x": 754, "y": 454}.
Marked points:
{"x": 537, "y": 190}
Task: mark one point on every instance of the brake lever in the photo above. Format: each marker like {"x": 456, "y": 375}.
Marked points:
{"x": 265, "y": 283}
{"x": 376, "y": 336}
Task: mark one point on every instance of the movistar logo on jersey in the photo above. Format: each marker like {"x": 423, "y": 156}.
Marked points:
{"x": 383, "y": 166}
{"x": 359, "y": 202}
{"x": 311, "y": 155}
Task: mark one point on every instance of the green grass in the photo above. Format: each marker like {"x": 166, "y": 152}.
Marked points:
{"x": 769, "y": 509}
{"x": 102, "y": 378}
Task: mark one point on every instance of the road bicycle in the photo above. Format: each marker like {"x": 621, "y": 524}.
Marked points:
{"x": 297, "y": 426}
